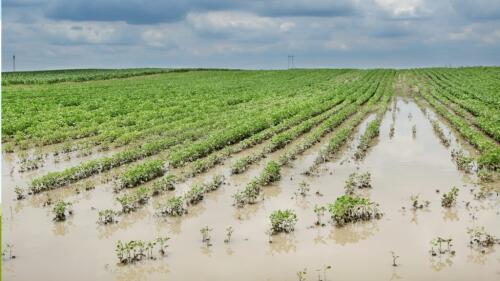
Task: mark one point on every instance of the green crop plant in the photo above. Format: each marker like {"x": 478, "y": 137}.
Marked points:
{"x": 174, "y": 206}
{"x": 283, "y": 221}
{"x": 61, "y": 210}
{"x": 142, "y": 173}
{"x": 450, "y": 198}
{"x": 347, "y": 209}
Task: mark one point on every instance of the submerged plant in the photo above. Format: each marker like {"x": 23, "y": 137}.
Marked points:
{"x": 61, "y": 210}
{"x": 136, "y": 250}
{"x": 107, "y": 216}
{"x": 173, "y": 207}
{"x": 229, "y": 233}
{"x": 302, "y": 274}
{"x": 417, "y": 204}
{"x": 195, "y": 194}
{"x": 479, "y": 238}
{"x": 303, "y": 189}
{"x": 320, "y": 212}
{"x": 449, "y": 199}
{"x": 164, "y": 184}
{"x": 463, "y": 162}
{"x": 355, "y": 181}
{"x": 283, "y": 221}
{"x": 206, "y": 237}
{"x": 394, "y": 258}
{"x": 348, "y": 209}
{"x": 270, "y": 174}
{"x": 437, "y": 246}
{"x": 19, "y": 193}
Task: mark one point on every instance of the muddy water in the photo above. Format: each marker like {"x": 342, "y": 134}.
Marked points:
{"x": 79, "y": 249}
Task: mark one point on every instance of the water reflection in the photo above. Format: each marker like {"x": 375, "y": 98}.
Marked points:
{"x": 353, "y": 233}
{"x": 283, "y": 243}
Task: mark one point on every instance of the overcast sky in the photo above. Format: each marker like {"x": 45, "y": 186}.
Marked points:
{"x": 48, "y": 34}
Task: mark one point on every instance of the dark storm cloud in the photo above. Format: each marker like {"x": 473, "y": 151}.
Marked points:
{"x": 151, "y": 12}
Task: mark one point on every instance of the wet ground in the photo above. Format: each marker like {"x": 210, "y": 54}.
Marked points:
{"x": 401, "y": 165}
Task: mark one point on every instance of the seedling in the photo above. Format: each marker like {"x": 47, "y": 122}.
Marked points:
{"x": 136, "y": 250}
{"x": 162, "y": 242}
{"x": 270, "y": 174}
{"x": 302, "y": 274}
{"x": 417, "y": 204}
{"x": 205, "y": 233}
{"x": 229, "y": 233}
{"x": 19, "y": 193}
{"x": 355, "y": 181}
{"x": 347, "y": 209}
{"x": 195, "y": 194}
{"x": 449, "y": 199}
{"x": 437, "y": 246}
{"x": 414, "y": 130}
{"x": 394, "y": 259}
{"x": 173, "y": 207}
{"x": 303, "y": 189}
{"x": 61, "y": 210}
{"x": 283, "y": 221}
{"x": 479, "y": 238}
{"x": 107, "y": 216}
{"x": 9, "y": 251}
{"x": 319, "y": 211}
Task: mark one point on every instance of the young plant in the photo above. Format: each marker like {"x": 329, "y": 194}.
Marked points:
{"x": 141, "y": 173}
{"x": 19, "y": 193}
{"x": 107, "y": 216}
{"x": 449, "y": 199}
{"x": 270, "y": 174}
{"x": 164, "y": 184}
{"x": 195, "y": 194}
{"x": 162, "y": 243}
{"x": 302, "y": 274}
{"x": 61, "y": 210}
{"x": 414, "y": 131}
{"x": 479, "y": 238}
{"x": 347, "y": 209}
{"x": 394, "y": 259}
{"x": 229, "y": 233}
{"x": 416, "y": 204}
{"x": 206, "y": 237}
{"x": 173, "y": 207}
{"x": 320, "y": 212}
{"x": 9, "y": 251}
{"x": 303, "y": 189}
{"x": 283, "y": 221}
{"x": 437, "y": 246}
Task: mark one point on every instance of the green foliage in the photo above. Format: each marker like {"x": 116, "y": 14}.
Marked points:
{"x": 270, "y": 174}
{"x": 347, "y": 209}
{"x": 141, "y": 173}
{"x": 449, "y": 199}
{"x": 61, "y": 210}
{"x": 173, "y": 207}
{"x": 283, "y": 220}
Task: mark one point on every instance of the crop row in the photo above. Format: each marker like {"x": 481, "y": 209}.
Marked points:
{"x": 490, "y": 152}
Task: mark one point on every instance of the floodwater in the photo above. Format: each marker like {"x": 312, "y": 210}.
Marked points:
{"x": 401, "y": 165}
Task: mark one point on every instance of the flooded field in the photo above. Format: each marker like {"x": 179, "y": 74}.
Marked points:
{"x": 401, "y": 165}
{"x": 389, "y": 127}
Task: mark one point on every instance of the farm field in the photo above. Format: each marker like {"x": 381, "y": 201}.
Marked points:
{"x": 302, "y": 174}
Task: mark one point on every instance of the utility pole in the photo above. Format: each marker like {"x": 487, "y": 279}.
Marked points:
{"x": 290, "y": 61}
{"x": 14, "y": 62}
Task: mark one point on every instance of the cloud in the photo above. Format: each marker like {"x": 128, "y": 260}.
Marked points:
{"x": 257, "y": 34}
{"x": 156, "y": 11}
{"x": 478, "y": 10}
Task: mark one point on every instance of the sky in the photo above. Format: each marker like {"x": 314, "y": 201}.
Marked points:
{"x": 257, "y": 34}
